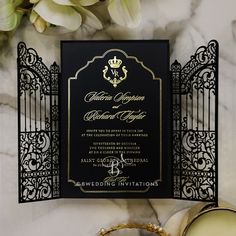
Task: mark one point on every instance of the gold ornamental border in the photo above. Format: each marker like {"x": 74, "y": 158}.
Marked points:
{"x": 69, "y": 179}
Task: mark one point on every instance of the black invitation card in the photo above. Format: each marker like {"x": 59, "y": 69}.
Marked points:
{"x": 116, "y": 117}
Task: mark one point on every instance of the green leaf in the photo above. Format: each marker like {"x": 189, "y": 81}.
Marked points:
{"x": 89, "y": 18}
{"x": 57, "y": 14}
{"x": 125, "y": 12}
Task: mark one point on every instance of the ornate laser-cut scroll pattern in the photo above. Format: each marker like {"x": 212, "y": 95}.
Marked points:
{"x": 38, "y": 127}
{"x": 195, "y": 125}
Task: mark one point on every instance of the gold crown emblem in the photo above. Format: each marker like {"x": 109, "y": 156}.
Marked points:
{"x": 114, "y": 63}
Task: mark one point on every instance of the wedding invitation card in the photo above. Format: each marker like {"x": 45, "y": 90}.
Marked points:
{"x": 115, "y": 100}
{"x": 114, "y": 121}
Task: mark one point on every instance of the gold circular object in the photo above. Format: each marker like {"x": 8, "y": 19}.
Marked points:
{"x": 148, "y": 227}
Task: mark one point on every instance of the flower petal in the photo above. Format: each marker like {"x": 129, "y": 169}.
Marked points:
{"x": 64, "y": 2}
{"x": 125, "y": 12}
{"x": 9, "y": 19}
{"x": 86, "y": 2}
{"x": 89, "y": 18}
{"x": 33, "y": 1}
{"x": 40, "y": 24}
{"x": 33, "y": 16}
{"x": 17, "y": 2}
{"x": 60, "y": 15}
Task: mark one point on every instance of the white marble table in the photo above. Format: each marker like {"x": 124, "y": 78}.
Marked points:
{"x": 188, "y": 24}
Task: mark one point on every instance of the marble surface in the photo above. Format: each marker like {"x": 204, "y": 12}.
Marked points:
{"x": 188, "y": 24}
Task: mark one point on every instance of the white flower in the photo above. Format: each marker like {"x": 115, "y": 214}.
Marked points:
{"x": 67, "y": 13}
{"x": 125, "y": 12}
{"x": 10, "y": 17}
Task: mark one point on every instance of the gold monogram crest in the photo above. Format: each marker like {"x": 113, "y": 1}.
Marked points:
{"x": 114, "y": 72}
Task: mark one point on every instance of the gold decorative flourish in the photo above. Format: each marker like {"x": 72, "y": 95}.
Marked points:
{"x": 148, "y": 227}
